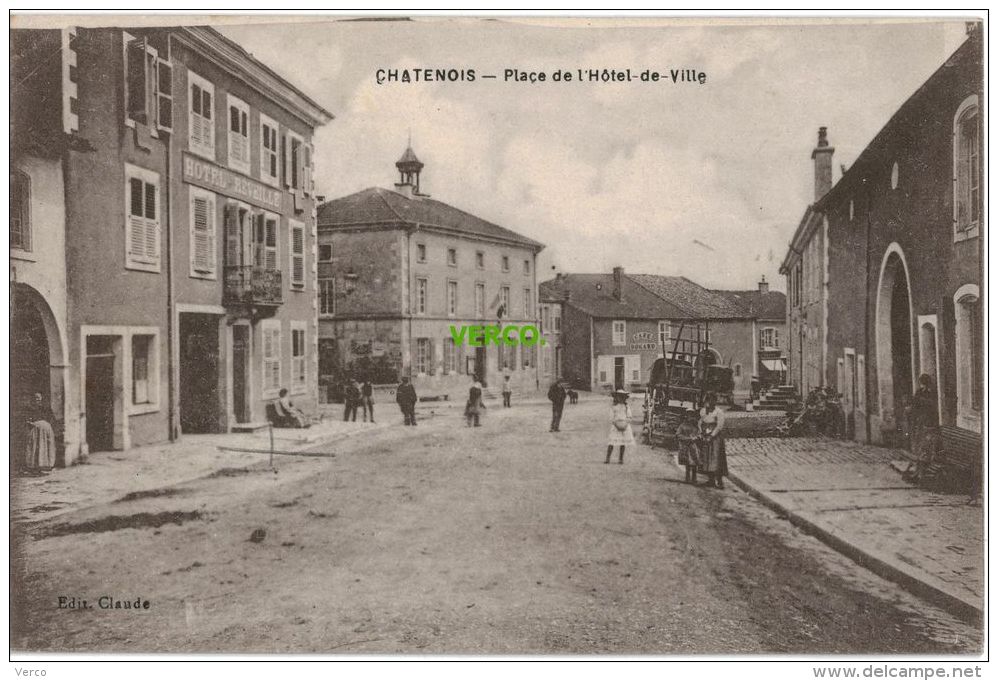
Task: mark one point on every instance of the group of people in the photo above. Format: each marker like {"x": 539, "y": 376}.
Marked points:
{"x": 701, "y": 444}
{"x": 358, "y": 394}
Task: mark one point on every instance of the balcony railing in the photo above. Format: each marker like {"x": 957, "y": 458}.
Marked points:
{"x": 251, "y": 285}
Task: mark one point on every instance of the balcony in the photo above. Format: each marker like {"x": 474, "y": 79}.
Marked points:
{"x": 252, "y": 286}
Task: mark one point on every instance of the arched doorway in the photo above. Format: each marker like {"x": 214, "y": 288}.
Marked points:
{"x": 36, "y": 361}
{"x": 894, "y": 342}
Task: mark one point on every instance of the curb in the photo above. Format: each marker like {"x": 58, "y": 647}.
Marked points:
{"x": 955, "y": 605}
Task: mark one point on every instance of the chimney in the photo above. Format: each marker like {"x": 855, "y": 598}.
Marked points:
{"x": 764, "y": 285}
{"x": 822, "y": 156}
{"x": 618, "y": 283}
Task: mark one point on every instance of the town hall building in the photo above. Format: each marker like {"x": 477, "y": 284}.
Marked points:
{"x": 398, "y": 269}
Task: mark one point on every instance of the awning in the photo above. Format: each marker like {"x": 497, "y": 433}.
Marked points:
{"x": 775, "y": 364}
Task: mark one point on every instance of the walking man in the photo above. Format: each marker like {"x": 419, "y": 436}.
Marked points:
{"x": 406, "y": 398}
{"x": 556, "y": 393}
{"x": 507, "y": 391}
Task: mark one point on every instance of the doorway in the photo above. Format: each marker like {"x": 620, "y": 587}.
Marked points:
{"x": 100, "y": 391}
{"x": 199, "y": 403}
{"x": 894, "y": 343}
{"x": 618, "y": 373}
{"x": 240, "y": 372}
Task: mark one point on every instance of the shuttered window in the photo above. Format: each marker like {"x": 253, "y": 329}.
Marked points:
{"x": 203, "y": 234}
{"x": 142, "y": 228}
{"x": 295, "y": 162}
{"x": 297, "y": 254}
{"x": 297, "y": 357}
{"x": 201, "y": 132}
{"x": 265, "y": 241}
{"x": 269, "y": 151}
{"x": 271, "y": 329}
{"x": 307, "y": 170}
{"x": 238, "y": 126}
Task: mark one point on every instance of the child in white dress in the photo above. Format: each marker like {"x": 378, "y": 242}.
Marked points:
{"x": 621, "y": 434}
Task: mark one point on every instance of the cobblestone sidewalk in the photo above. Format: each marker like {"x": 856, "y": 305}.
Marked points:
{"x": 847, "y": 494}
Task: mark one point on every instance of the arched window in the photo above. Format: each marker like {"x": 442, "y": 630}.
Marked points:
{"x": 20, "y": 211}
{"x": 969, "y": 357}
{"x": 966, "y": 169}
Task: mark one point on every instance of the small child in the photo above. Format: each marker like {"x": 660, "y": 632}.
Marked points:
{"x": 688, "y": 436}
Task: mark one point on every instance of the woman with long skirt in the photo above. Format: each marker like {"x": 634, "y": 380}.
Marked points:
{"x": 713, "y": 460}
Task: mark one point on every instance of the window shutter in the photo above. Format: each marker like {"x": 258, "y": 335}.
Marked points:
{"x": 164, "y": 95}
{"x": 203, "y": 224}
{"x": 135, "y": 55}
{"x": 285, "y": 161}
{"x": 307, "y": 170}
{"x": 271, "y": 241}
{"x": 232, "y": 255}
{"x": 151, "y": 223}
{"x": 196, "y": 132}
{"x": 136, "y": 223}
{"x": 298, "y": 255}
{"x": 207, "y": 133}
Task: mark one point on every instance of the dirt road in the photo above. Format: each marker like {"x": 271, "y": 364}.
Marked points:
{"x": 442, "y": 539}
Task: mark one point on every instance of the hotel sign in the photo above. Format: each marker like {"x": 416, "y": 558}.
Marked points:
{"x": 224, "y": 181}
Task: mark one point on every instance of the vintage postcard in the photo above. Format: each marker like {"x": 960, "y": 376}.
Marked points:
{"x": 498, "y": 335}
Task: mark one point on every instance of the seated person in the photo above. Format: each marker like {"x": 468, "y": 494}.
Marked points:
{"x": 287, "y": 415}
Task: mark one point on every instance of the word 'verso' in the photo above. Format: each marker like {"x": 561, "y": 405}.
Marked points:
{"x": 478, "y": 336}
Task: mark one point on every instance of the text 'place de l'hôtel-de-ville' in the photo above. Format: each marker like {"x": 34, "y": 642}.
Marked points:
{"x": 172, "y": 268}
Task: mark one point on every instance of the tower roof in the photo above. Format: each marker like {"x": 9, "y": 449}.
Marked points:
{"x": 409, "y": 162}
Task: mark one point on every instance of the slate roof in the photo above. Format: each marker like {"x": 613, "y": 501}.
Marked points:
{"x": 593, "y": 294}
{"x": 377, "y": 206}
{"x": 695, "y": 300}
{"x": 771, "y": 306}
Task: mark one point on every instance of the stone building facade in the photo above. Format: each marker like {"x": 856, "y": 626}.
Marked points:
{"x": 899, "y": 263}
{"x": 614, "y": 326}
{"x": 188, "y": 216}
{"x": 398, "y": 270}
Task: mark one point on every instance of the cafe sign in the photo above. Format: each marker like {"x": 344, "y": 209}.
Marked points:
{"x": 210, "y": 176}
{"x": 643, "y": 340}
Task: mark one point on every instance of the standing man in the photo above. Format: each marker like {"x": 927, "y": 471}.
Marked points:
{"x": 507, "y": 390}
{"x": 556, "y": 393}
{"x": 406, "y": 398}
{"x": 351, "y": 398}
{"x": 367, "y": 398}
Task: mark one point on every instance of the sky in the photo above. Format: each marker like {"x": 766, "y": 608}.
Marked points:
{"x": 704, "y": 181}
